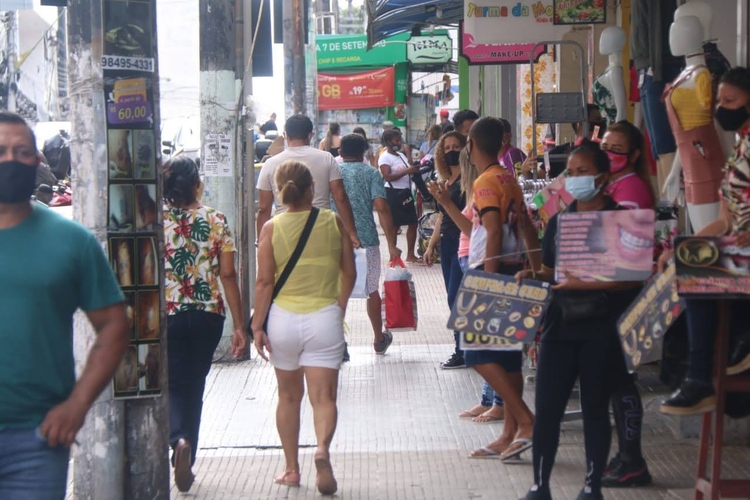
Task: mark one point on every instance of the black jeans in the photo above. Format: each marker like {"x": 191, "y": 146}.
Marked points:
{"x": 560, "y": 364}
{"x": 192, "y": 338}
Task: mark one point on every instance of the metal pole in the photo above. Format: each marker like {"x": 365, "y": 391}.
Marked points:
{"x": 299, "y": 56}
{"x": 248, "y": 209}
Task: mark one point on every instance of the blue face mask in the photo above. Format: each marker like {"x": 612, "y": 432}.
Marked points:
{"x": 582, "y": 188}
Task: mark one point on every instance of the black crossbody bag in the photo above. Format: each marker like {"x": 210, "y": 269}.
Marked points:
{"x": 288, "y": 268}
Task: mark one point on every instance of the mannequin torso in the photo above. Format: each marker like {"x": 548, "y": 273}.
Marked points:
{"x": 691, "y": 94}
{"x": 609, "y": 88}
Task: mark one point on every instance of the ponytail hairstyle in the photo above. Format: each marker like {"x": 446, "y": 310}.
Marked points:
{"x": 469, "y": 174}
{"x": 181, "y": 181}
{"x": 333, "y": 129}
{"x": 594, "y": 151}
{"x": 636, "y": 142}
{"x": 293, "y": 179}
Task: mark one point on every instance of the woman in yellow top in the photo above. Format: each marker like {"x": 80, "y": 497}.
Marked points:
{"x": 305, "y": 338}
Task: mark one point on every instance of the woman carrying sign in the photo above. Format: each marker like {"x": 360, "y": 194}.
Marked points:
{"x": 579, "y": 339}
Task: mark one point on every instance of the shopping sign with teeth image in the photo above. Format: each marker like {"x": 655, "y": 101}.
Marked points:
{"x": 615, "y": 245}
{"x": 494, "y": 305}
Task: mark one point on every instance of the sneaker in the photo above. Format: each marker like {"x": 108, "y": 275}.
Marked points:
{"x": 382, "y": 346}
{"x": 627, "y": 474}
{"x": 588, "y": 494}
{"x": 346, "y": 354}
{"x": 739, "y": 361}
{"x": 691, "y": 398}
{"x": 613, "y": 464}
{"x": 455, "y": 361}
{"x": 537, "y": 493}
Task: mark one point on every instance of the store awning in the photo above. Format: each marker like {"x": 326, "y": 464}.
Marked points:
{"x": 391, "y": 17}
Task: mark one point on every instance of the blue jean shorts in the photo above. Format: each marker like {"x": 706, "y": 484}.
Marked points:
{"x": 511, "y": 361}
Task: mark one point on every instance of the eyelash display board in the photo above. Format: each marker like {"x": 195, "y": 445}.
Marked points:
{"x": 134, "y": 235}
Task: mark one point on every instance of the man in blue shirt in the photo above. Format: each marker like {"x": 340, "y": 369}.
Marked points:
{"x": 366, "y": 191}
{"x": 49, "y": 268}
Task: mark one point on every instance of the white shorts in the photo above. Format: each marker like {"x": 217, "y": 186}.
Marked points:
{"x": 372, "y": 282}
{"x": 306, "y": 340}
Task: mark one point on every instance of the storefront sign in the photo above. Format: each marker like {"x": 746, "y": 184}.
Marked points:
{"x": 495, "y": 305}
{"x": 580, "y": 11}
{"x": 347, "y": 51}
{"x": 643, "y": 326}
{"x": 614, "y": 245}
{"x": 429, "y": 49}
{"x": 371, "y": 89}
{"x": 712, "y": 267}
{"x": 505, "y": 31}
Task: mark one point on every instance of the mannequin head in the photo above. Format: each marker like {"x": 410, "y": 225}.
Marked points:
{"x": 686, "y": 36}
{"x": 700, "y": 9}
{"x": 612, "y": 41}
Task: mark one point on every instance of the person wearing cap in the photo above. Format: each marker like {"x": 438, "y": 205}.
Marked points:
{"x": 445, "y": 122}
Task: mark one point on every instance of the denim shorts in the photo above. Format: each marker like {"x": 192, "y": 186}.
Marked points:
{"x": 511, "y": 361}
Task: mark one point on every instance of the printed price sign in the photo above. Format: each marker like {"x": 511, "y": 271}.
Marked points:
{"x": 614, "y": 245}
{"x": 712, "y": 267}
{"x": 643, "y": 326}
{"x": 128, "y": 103}
{"x": 495, "y": 305}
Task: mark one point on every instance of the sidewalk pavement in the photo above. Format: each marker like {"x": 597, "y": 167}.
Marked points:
{"x": 398, "y": 435}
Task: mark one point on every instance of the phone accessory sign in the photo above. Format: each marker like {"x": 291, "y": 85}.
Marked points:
{"x": 370, "y": 89}
{"x": 643, "y": 325}
{"x": 133, "y": 210}
{"x": 494, "y": 305}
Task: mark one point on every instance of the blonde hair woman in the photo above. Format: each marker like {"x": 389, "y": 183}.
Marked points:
{"x": 305, "y": 333}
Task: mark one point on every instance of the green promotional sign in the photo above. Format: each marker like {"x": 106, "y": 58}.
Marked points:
{"x": 346, "y": 51}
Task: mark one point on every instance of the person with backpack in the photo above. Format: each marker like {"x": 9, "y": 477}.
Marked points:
{"x": 57, "y": 152}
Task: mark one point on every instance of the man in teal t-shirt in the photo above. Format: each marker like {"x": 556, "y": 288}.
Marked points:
{"x": 49, "y": 268}
{"x": 366, "y": 191}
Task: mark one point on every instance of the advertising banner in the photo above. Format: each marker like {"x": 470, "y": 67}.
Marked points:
{"x": 347, "y": 51}
{"x": 712, "y": 267}
{"x": 580, "y": 11}
{"x": 370, "y": 89}
{"x": 643, "y": 326}
{"x": 495, "y": 305}
{"x": 505, "y": 31}
{"x": 614, "y": 245}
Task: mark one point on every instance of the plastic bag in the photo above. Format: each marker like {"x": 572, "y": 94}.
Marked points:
{"x": 399, "y": 298}
{"x": 360, "y": 285}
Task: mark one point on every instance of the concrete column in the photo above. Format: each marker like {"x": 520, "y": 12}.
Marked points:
{"x": 294, "y": 56}
{"x": 123, "y": 445}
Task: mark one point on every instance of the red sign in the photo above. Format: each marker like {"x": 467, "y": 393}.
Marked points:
{"x": 371, "y": 89}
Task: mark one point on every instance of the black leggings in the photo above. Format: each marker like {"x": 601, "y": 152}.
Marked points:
{"x": 560, "y": 364}
{"x": 628, "y": 412}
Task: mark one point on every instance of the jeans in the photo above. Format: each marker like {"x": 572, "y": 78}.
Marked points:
{"x": 655, "y": 112}
{"x": 452, "y": 273}
{"x": 702, "y": 321}
{"x": 29, "y": 468}
{"x": 490, "y": 397}
{"x": 560, "y": 364}
{"x": 192, "y": 337}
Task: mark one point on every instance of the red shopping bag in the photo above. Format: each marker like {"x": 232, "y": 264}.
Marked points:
{"x": 399, "y": 298}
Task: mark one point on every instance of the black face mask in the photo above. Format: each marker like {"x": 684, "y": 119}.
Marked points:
{"x": 17, "y": 181}
{"x": 732, "y": 119}
{"x": 452, "y": 158}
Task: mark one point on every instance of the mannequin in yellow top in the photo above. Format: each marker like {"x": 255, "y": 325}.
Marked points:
{"x": 689, "y": 101}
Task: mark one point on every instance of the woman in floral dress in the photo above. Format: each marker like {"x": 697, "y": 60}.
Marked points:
{"x": 199, "y": 252}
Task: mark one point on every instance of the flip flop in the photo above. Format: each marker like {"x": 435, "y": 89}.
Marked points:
{"x": 511, "y": 452}
{"x": 487, "y": 419}
{"x": 470, "y": 414}
{"x": 485, "y": 453}
{"x": 285, "y": 480}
